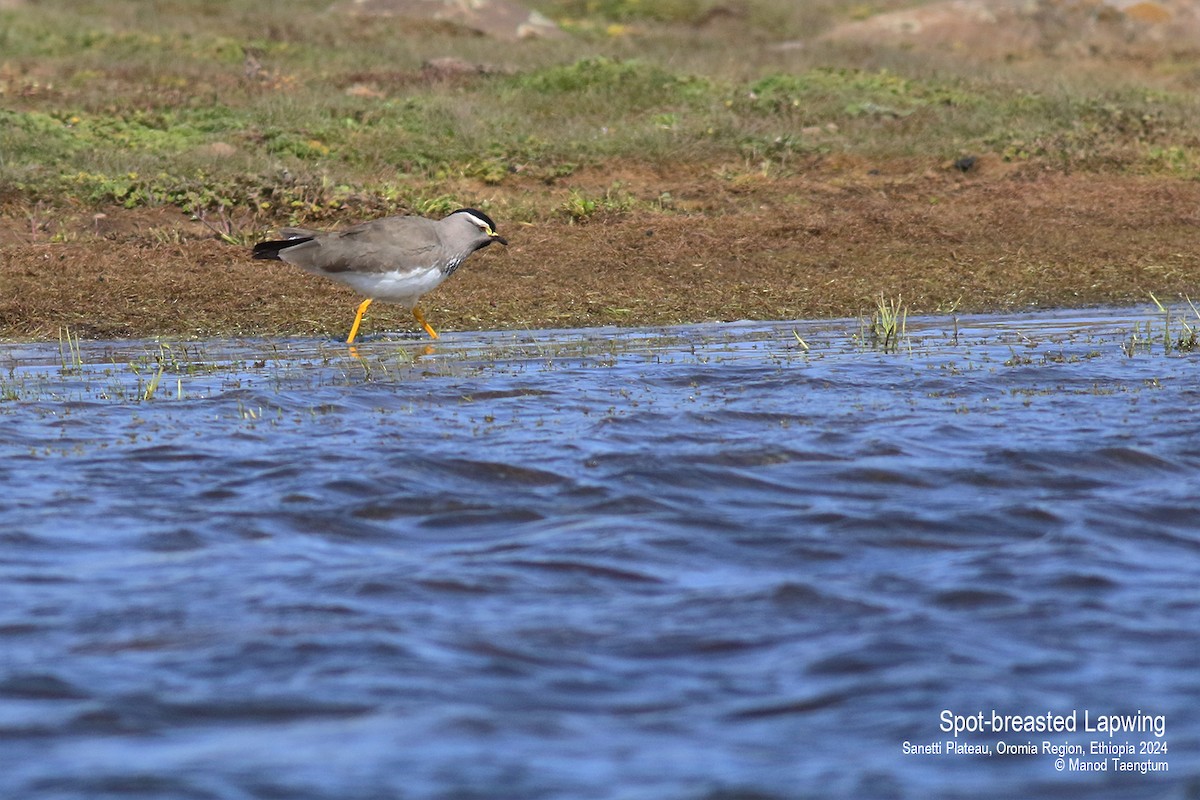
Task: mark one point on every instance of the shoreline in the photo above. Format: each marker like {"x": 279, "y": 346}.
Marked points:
{"x": 804, "y": 248}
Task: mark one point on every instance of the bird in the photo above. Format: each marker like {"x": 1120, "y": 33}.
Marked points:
{"x": 393, "y": 259}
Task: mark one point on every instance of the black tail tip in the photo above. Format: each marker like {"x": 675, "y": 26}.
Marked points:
{"x": 271, "y": 250}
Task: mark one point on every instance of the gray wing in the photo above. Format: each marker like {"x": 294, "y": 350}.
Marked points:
{"x": 404, "y": 244}
{"x": 299, "y": 233}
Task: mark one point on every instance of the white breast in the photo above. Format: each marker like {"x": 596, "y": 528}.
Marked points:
{"x": 392, "y": 287}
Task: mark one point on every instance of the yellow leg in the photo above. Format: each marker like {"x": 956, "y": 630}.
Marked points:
{"x": 362, "y": 309}
{"x": 420, "y": 317}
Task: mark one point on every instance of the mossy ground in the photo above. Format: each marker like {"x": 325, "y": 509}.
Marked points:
{"x": 651, "y": 168}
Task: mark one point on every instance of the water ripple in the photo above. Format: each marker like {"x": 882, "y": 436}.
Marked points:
{"x": 691, "y": 563}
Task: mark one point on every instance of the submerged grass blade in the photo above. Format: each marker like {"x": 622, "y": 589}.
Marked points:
{"x": 889, "y": 323}
{"x": 1188, "y": 338}
{"x": 152, "y": 385}
{"x": 70, "y": 352}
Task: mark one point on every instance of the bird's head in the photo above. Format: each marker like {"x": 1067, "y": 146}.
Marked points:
{"x": 484, "y": 223}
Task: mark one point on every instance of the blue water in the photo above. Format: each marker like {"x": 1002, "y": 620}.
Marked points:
{"x": 696, "y": 562}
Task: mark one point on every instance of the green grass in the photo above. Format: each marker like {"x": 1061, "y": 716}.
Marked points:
{"x": 1185, "y": 340}
{"x": 888, "y": 325}
{"x": 69, "y": 352}
{"x": 147, "y": 103}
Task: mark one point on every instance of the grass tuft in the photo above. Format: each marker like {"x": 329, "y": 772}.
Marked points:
{"x": 70, "y": 353}
{"x": 888, "y": 324}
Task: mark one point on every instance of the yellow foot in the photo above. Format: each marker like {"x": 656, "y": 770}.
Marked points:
{"x": 362, "y": 309}
{"x": 420, "y": 317}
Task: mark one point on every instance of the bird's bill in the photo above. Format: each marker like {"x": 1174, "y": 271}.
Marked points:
{"x": 498, "y": 238}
